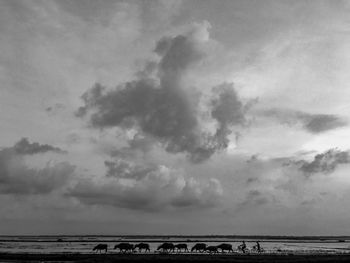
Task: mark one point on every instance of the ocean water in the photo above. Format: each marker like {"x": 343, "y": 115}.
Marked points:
{"x": 85, "y": 244}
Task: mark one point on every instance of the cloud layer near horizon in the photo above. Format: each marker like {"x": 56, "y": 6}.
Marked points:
{"x": 19, "y": 179}
{"x": 152, "y": 188}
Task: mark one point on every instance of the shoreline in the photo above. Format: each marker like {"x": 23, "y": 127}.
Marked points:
{"x": 106, "y": 258}
{"x": 174, "y": 241}
{"x": 291, "y": 237}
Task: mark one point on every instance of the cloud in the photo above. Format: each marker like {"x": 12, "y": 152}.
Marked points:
{"x": 254, "y": 199}
{"x": 124, "y": 169}
{"x": 313, "y": 123}
{"x": 17, "y": 178}
{"x": 162, "y": 105}
{"x": 323, "y": 122}
{"x": 55, "y": 108}
{"x": 228, "y": 110}
{"x": 325, "y": 162}
{"x": 148, "y": 188}
{"x": 138, "y": 146}
{"x": 21, "y": 180}
{"x": 253, "y": 158}
{"x": 25, "y": 147}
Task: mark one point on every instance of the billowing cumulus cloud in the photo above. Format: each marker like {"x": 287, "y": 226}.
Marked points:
{"x": 161, "y": 104}
{"x": 17, "y": 178}
{"x": 148, "y": 188}
{"x": 313, "y": 123}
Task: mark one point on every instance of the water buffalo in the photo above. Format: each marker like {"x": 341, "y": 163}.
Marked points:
{"x": 124, "y": 247}
{"x": 100, "y": 247}
{"x": 199, "y": 247}
{"x": 142, "y": 246}
{"x": 225, "y": 247}
{"x": 180, "y": 247}
{"x": 212, "y": 249}
{"x": 166, "y": 247}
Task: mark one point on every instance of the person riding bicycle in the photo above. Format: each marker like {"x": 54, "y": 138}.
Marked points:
{"x": 243, "y": 246}
{"x": 257, "y": 246}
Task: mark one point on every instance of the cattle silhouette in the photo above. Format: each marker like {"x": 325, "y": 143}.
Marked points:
{"x": 180, "y": 247}
{"x": 142, "y": 246}
{"x": 166, "y": 247}
{"x": 124, "y": 247}
{"x": 100, "y": 247}
{"x": 225, "y": 247}
{"x": 199, "y": 247}
{"x": 212, "y": 249}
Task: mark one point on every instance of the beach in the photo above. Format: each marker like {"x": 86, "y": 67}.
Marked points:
{"x": 79, "y": 249}
{"x": 106, "y": 258}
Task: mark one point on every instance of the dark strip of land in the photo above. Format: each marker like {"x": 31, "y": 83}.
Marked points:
{"x": 109, "y": 258}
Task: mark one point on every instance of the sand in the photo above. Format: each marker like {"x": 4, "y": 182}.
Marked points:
{"x": 107, "y": 258}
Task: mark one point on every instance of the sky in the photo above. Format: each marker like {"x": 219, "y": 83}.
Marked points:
{"x": 174, "y": 117}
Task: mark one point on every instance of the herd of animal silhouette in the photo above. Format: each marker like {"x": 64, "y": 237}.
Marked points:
{"x": 171, "y": 248}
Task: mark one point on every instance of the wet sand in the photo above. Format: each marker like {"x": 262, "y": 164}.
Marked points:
{"x": 109, "y": 258}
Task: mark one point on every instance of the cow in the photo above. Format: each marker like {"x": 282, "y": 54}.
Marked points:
{"x": 180, "y": 247}
{"x": 124, "y": 247}
{"x": 100, "y": 247}
{"x": 199, "y": 247}
{"x": 141, "y": 246}
{"x": 225, "y": 247}
{"x": 166, "y": 247}
{"x": 212, "y": 249}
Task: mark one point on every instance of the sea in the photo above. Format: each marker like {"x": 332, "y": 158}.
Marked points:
{"x": 85, "y": 244}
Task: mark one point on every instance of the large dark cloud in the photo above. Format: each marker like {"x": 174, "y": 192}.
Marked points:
{"x": 325, "y": 162}
{"x": 17, "y": 178}
{"x": 318, "y": 123}
{"x": 314, "y": 123}
{"x": 163, "y": 106}
{"x": 147, "y": 187}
